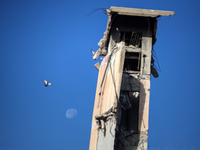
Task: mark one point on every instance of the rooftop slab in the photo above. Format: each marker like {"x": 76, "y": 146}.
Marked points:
{"x": 139, "y": 12}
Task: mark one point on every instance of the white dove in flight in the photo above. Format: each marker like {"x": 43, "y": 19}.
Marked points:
{"x": 46, "y": 83}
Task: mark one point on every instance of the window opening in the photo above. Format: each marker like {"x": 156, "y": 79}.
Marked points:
{"x": 132, "y": 39}
{"x": 132, "y": 61}
{"x": 130, "y": 115}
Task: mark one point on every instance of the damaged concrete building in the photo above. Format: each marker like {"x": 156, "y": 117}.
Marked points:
{"x": 121, "y": 108}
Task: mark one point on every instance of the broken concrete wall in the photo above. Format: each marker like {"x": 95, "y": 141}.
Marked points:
{"x": 107, "y": 96}
{"x": 121, "y": 86}
{"x": 121, "y": 110}
{"x": 133, "y": 106}
{"x": 106, "y": 134}
{"x": 132, "y": 130}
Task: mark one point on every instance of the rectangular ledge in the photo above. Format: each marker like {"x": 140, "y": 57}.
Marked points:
{"x": 139, "y": 12}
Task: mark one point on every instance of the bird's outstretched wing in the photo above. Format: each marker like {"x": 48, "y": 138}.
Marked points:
{"x": 50, "y": 84}
{"x": 45, "y": 82}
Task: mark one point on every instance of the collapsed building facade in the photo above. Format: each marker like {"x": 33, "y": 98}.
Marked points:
{"x": 121, "y": 108}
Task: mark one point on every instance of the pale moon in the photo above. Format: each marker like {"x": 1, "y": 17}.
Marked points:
{"x": 71, "y": 113}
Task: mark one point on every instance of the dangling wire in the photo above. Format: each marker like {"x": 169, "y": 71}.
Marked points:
{"x": 155, "y": 56}
{"x": 104, "y": 11}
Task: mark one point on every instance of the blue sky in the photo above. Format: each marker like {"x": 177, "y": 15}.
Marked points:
{"x": 52, "y": 39}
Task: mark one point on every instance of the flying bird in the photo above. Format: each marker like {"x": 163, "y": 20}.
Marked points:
{"x": 46, "y": 83}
